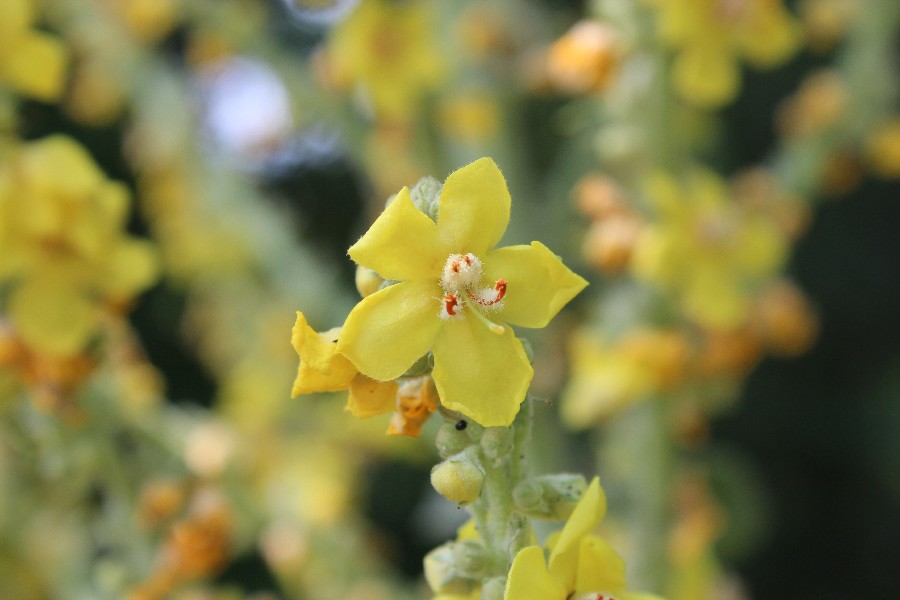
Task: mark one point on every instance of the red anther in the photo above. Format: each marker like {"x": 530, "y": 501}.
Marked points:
{"x": 451, "y": 302}
{"x": 468, "y": 259}
{"x": 499, "y": 287}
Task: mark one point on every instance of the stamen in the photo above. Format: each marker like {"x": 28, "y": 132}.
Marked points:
{"x": 461, "y": 271}
{"x": 490, "y": 297}
{"x": 450, "y": 306}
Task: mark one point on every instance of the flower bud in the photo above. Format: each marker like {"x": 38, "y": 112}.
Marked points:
{"x": 549, "y": 496}
{"x": 493, "y": 589}
{"x": 426, "y": 195}
{"x": 469, "y": 557}
{"x": 367, "y": 281}
{"x": 528, "y": 497}
{"x": 458, "y": 479}
{"x": 497, "y": 443}
{"x": 442, "y": 573}
{"x": 451, "y": 439}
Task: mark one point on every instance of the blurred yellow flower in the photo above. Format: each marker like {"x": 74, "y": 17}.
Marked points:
{"x": 31, "y": 62}
{"x": 386, "y": 51}
{"x": 581, "y": 565}
{"x": 709, "y": 36}
{"x": 883, "y": 148}
{"x": 148, "y": 20}
{"x": 63, "y": 245}
{"x": 584, "y": 59}
{"x": 706, "y": 250}
{"x": 444, "y": 300}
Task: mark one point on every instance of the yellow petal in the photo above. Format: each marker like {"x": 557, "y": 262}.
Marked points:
{"x": 538, "y": 284}
{"x": 760, "y": 248}
{"x": 401, "y": 244}
{"x": 369, "y": 397}
{"x": 600, "y": 568}
{"x": 588, "y": 513}
{"x": 474, "y": 208}
{"x": 706, "y": 75}
{"x": 132, "y": 266}
{"x": 391, "y": 329}
{"x": 529, "y": 579}
{"x": 321, "y": 368}
{"x": 479, "y": 373}
{"x": 772, "y": 37}
{"x": 59, "y": 165}
{"x": 52, "y": 316}
{"x": 36, "y": 66}
{"x": 714, "y": 298}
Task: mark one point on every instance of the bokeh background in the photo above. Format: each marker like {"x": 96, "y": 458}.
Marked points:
{"x": 726, "y": 173}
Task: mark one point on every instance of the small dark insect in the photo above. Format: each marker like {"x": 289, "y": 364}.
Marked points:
{"x": 462, "y": 424}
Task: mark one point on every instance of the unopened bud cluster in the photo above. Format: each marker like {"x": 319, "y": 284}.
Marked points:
{"x": 549, "y": 496}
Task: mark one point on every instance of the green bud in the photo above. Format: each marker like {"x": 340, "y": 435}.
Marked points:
{"x": 458, "y": 479}
{"x": 493, "y": 589}
{"x": 528, "y": 497}
{"x": 469, "y": 557}
{"x": 426, "y": 196}
{"x": 549, "y": 496}
{"x": 497, "y": 443}
{"x": 367, "y": 281}
{"x": 451, "y": 440}
{"x": 443, "y": 574}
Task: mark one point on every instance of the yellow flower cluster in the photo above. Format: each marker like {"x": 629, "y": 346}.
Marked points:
{"x": 63, "y": 249}
{"x": 710, "y": 253}
{"x": 709, "y": 37}
{"x": 385, "y": 52}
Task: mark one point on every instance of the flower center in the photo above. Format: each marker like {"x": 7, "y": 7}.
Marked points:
{"x": 592, "y": 596}
{"x": 461, "y": 271}
{"x": 461, "y": 283}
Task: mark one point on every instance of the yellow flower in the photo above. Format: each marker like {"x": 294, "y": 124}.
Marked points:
{"x": 454, "y": 291}
{"x": 581, "y": 566}
{"x": 31, "y": 62}
{"x": 607, "y": 378}
{"x": 710, "y": 35}
{"x": 323, "y": 369}
{"x": 709, "y": 252}
{"x": 62, "y": 242}
{"x": 387, "y": 50}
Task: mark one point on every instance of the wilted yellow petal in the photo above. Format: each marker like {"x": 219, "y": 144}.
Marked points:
{"x": 538, "y": 284}
{"x": 479, "y": 373}
{"x": 474, "y": 208}
{"x": 401, "y": 244}
{"x": 369, "y": 397}
{"x": 391, "y": 329}
{"x": 322, "y": 368}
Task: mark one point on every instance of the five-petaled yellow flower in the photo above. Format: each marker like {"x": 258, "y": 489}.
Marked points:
{"x": 454, "y": 292}
{"x": 581, "y": 566}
